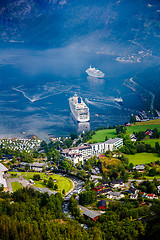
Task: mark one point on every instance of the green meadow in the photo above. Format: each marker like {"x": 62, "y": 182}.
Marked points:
{"x": 142, "y": 158}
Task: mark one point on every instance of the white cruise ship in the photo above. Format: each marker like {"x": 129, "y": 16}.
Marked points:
{"x": 79, "y": 109}
{"x": 95, "y": 72}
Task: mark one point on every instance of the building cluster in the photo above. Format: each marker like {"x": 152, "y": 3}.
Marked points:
{"x": 85, "y": 151}
{"x": 108, "y": 190}
{"x": 149, "y": 195}
{"x": 27, "y": 145}
{"x": 3, "y": 170}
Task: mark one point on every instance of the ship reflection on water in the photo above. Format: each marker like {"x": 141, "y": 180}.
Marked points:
{"x": 95, "y": 81}
{"x": 83, "y": 127}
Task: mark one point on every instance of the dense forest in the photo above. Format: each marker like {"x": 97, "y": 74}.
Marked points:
{"x": 28, "y": 214}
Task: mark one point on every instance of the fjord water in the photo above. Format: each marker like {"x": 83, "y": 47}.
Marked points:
{"x": 35, "y": 86}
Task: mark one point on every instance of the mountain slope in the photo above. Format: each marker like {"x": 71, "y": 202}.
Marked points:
{"x": 131, "y": 25}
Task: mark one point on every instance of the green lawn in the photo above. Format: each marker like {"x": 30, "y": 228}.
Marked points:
{"x": 151, "y": 141}
{"x": 142, "y": 158}
{"x": 16, "y": 186}
{"x": 101, "y": 135}
{"x": 62, "y": 182}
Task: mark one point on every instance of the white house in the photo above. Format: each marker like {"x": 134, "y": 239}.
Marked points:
{"x": 158, "y": 189}
{"x": 115, "y": 195}
{"x": 139, "y": 167}
{"x": 117, "y": 183}
{"x": 133, "y": 138}
{"x": 133, "y": 196}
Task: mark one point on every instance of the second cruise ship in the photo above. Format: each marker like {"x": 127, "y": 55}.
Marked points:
{"x": 95, "y": 72}
{"x": 79, "y": 109}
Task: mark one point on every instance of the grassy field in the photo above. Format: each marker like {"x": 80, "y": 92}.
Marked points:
{"x": 101, "y": 135}
{"x": 62, "y": 182}
{"x": 142, "y": 158}
{"x": 151, "y": 141}
{"x": 111, "y": 133}
{"x": 16, "y": 186}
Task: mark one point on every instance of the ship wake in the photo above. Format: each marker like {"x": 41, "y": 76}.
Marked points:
{"x": 42, "y": 92}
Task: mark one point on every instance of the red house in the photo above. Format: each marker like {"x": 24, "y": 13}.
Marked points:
{"x": 102, "y": 204}
{"x": 98, "y": 188}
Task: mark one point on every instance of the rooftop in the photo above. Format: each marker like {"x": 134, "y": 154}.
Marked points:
{"x": 113, "y": 140}
{"x": 90, "y": 213}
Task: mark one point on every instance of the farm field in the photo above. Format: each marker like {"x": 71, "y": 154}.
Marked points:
{"x": 62, "y": 182}
{"x": 16, "y": 186}
{"x": 142, "y": 158}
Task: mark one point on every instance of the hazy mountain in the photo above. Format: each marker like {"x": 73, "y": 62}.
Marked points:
{"x": 115, "y": 26}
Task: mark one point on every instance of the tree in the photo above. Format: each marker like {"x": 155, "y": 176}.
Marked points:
{"x": 36, "y": 177}
{"x": 133, "y": 119}
{"x": 65, "y": 165}
{"x": 27, "y": 167}
{"x": 73, "y": 135}
{"x": 63, "y": 191}
{"x": 141, "y": 147}
{"x": 50, "y": 183}
{"x": 157, "y": 147}
{"x": 55, "y": 187}
{"x": 131, "y": 166}
{"x": 140, "y": 135}
{"x": 73, "y": 207}
{"x": 152, "y": 171}
{"x": 55, "y": 155}
{"x": 124, "y": 175}
{"x": 87, "y": 197}
{"x": 120, "y": 129}
{"x": 155, "y": 133}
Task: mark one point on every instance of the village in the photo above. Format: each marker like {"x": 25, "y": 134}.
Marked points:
{"x": 94, "y": 173}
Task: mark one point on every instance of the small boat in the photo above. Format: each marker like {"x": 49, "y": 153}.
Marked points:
{"x": 119, "y": 100}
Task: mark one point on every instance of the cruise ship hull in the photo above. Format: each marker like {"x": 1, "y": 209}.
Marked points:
{"x": 76, "y": 116}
